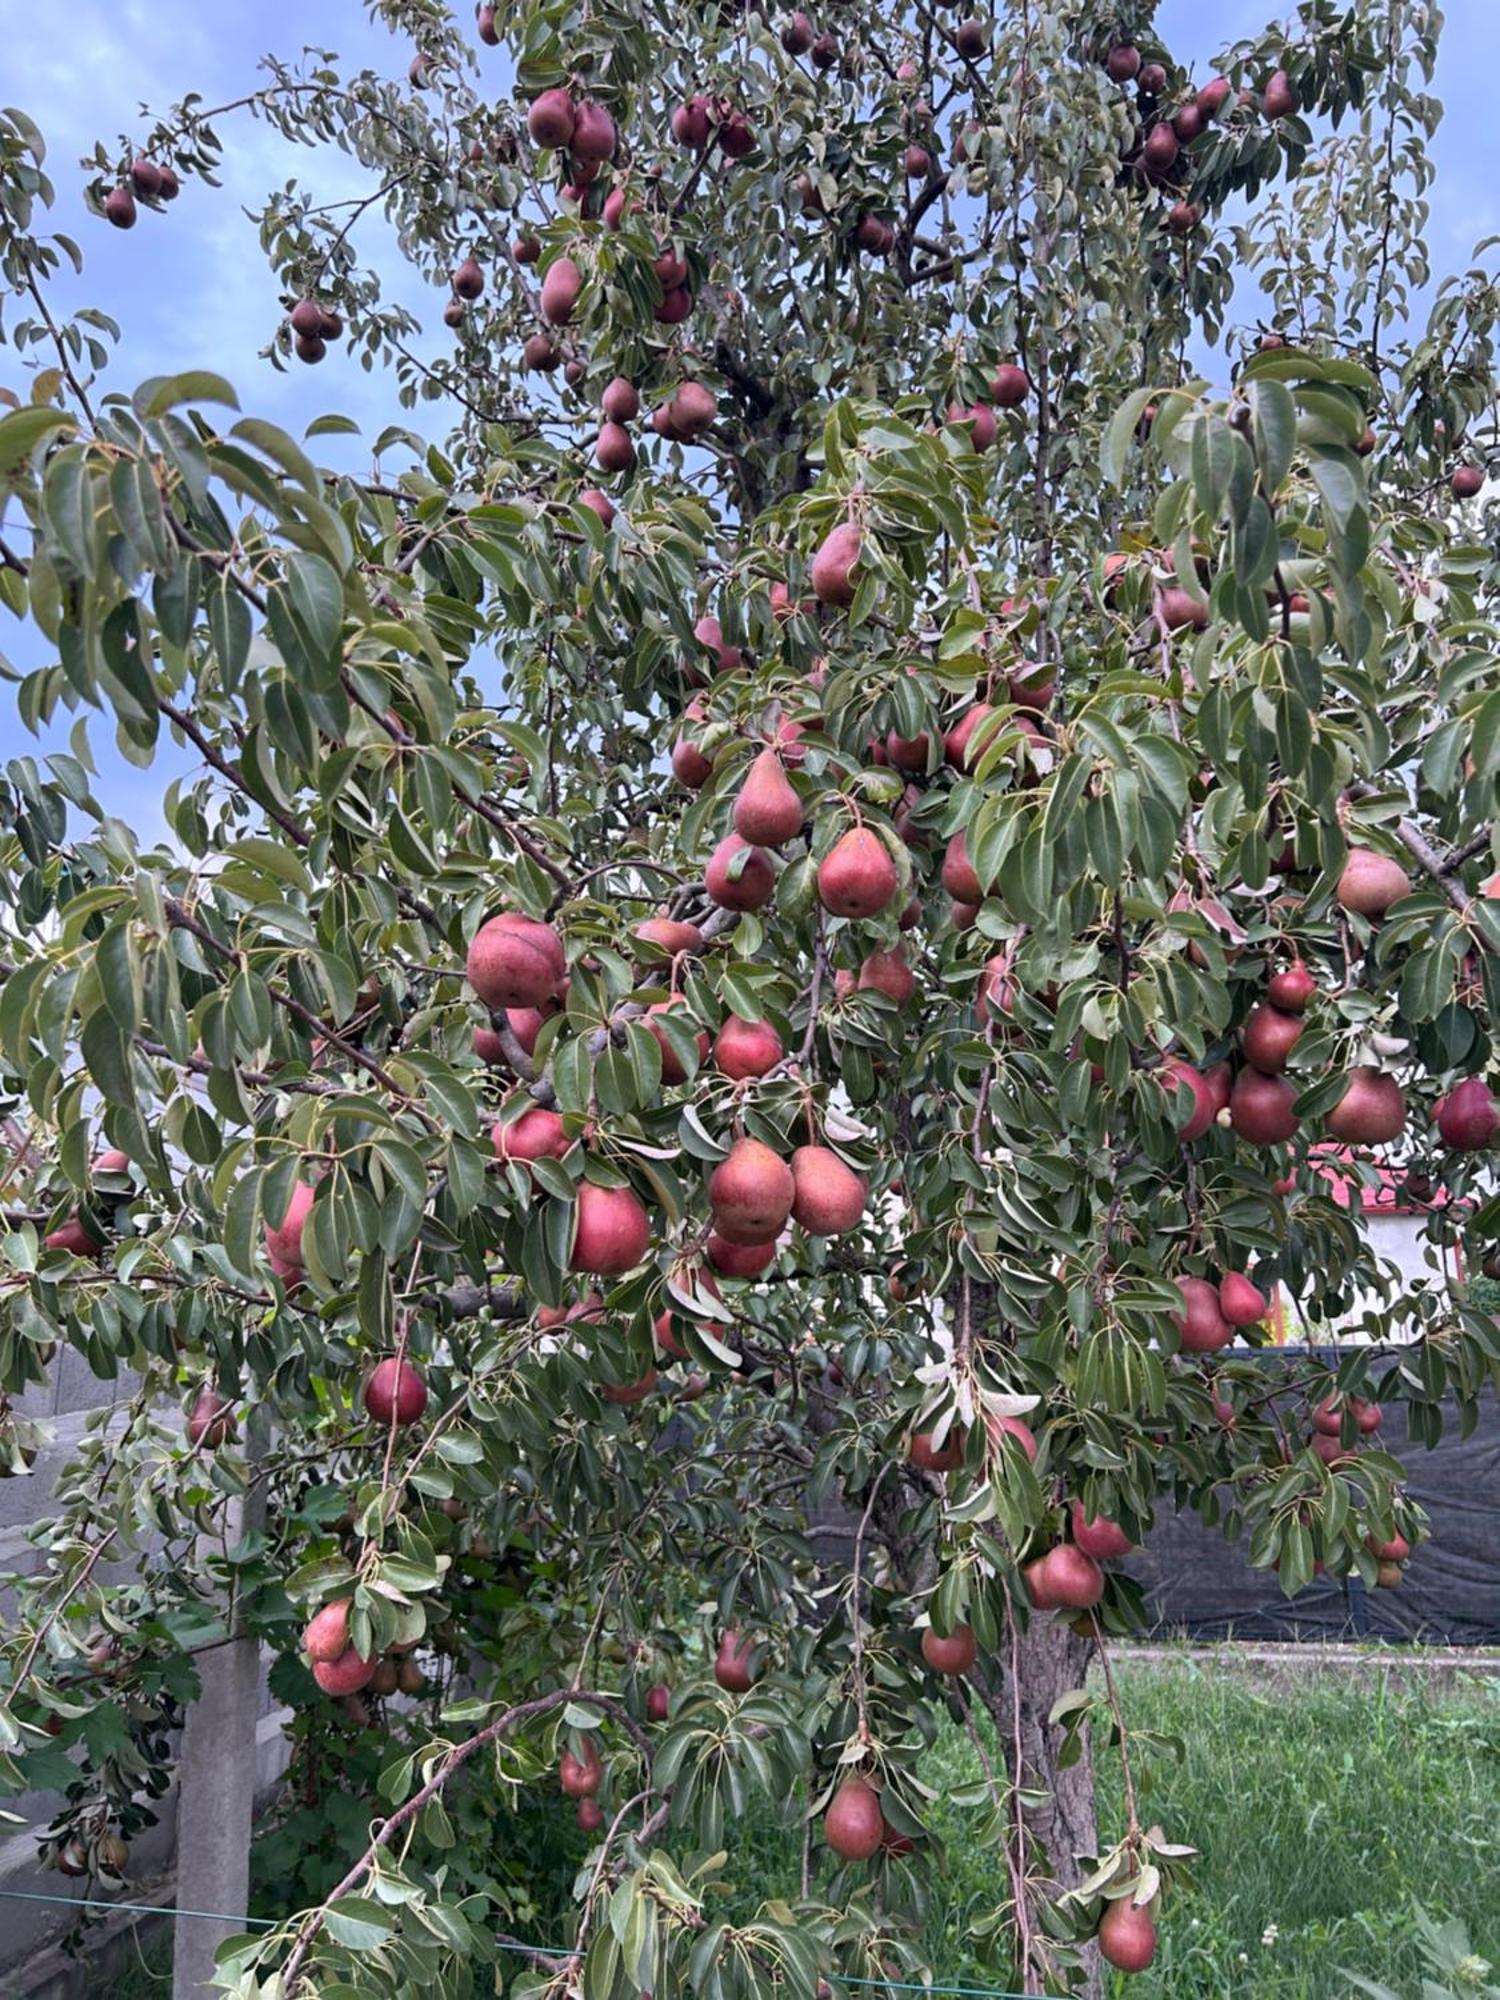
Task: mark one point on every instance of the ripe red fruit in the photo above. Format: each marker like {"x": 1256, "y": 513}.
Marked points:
{"x": 956, "y": 742}
{"x": 580, "y": 1776}
{"x": 395, "y": 1392}
{"x": 958, "y": 876}
{"x": 954, "y": 1654}
{"x": 767, "y": 811}
{"x": 690, "y": 126}
{"x": 1371, "y": 882}
{"x": 689, "y": 765}
{"x": 1201, "y": 1323}
{"x": 1213, "y": 96}
{"x": 1072, "y": 1580}
{"x": 672, "y": 1070}
{"x": 854, "y": 1825}
{"x": 551, "y": 119}
{"x": 284, "y": 1242}
{"x": 1371, "y": 1110}
{"x": 930, "y": 1457}
{"x": 738, "y": 1260}
{"x": 119, "y": 208}
{"x": 1279, "y": 98}
{"x": 597, "y": 503}
{"x": 739, "y": 885}
{"x": 972, "y": 40}
{"x": 1099, "y": 1538}
{"x": 74, "y": 1236}
{"x": 613, "y": 449}
{"x": 736, "y": 136}
{"x": 621, "y": 401}
{"x": 887, "y": 972}
{"x": 627, "y": 1394}
{"x": 1177, "y": 1075}
{"x": 658, "y": 1703}
{"x": 1242, "y": 1303}
{"x": 590, "y": 1816}
{"x": 1291, "y": 988}
{"x": 468, "y": 279}
{"x": 1123, "y": 62}
{"x": 1268, "y": 1038}
{"x": 1034, "y": 1576}
{"x": 747, "y": 1048}
{"x": 1160, "y": 149}
{"x": 1127, "y": 1936}
{"x": 541, "y": 352}
{"x": 537, "y": 1134}
{"x": 561, "y": 288}
{"x": 326, "y": 1635}
{"x": 210, "y": 1422}
{"x": 1011, "y": 386}
{"x": 1183, "y": 217}
{"x": 1219, "y": 1079}
{"x": 145, "y": 177}
{"x": 751, "y": 1193}
{"x": 1468, "y": 481}
{"x": 1467, "y": 1117}
{"x": 345, "y": 1674}
{"x": 918, "y": 163}
{"x": 1260, "y": 1108}
{"x": 594, "y": 136}
{"x": 829, "y": 1197}
{"x": 833, "y": 566}
{"x": 734, "y": 1664}
{"x": 687, "y": 414}
{"x": 1178, "y": 609}
{"x": 1396, "y": 1550}
{"x": 797, "y": 35}
{"x": 613, "y": 1231}
{"x": 670, "y": 934}
{"x": 515, "y": 961}
{"x": 998, "y": 1428}
{"x": 488, "y": 33}
{"x": 857, "y": 877}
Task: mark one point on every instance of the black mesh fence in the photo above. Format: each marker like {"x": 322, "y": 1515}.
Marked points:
{"x": 1200, "y": 1586}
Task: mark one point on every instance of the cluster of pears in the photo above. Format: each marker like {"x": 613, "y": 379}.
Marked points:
{"x": 154, "y": 184}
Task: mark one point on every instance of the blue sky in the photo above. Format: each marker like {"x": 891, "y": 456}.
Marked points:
{"x": 191, "y": 290}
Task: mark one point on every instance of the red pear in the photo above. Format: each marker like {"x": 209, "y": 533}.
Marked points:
{"x": 1177, "y": 1075}
{"x": 672, "y": 1070}
{"x": 658, "y": 1702}
{"x": 736, "y": 884}
{"x": 1291, "y": 988}
{"x": 515, "y": 961}
{"x": 671, "y": 935}
{"x": 594, "y": 136}
{"x": 1371, "y": 882}
{"x": 1371, "y": 1110}
{"x": 560, "y": 290}
{"x": 210, "y": 1422}
{"x": 929, "y": 1457}
{"x": 1010, "y": 387}
{"x": 956, "y": 742}
{"x": 738, "y": 1260}
{"x": 550, "y": 120}
{"x": 887, "y": 972}
{"x": 621, "y": 402}
{"x": 346, "y": 1674}
{"x": 751, "y": 1193}
{"x": 767, "y": 812}
{"x": 959, "y": 877}
{"x": 613, "y": 1231}
{"x": 1268, "y": 1038}
{"x": 1468, "y": 1115}
{"x": 747, "y": 1048}
{"x": 857, "y": 877}
{"x": 1100, "y": 1539}
{"x": 580, "y": 1776}
{"x": 1242, "y": 1303}
{"x": 1260, "y": 1108}
{"x": 73, "y": 1235}
{"x": 536, "y": 1135}
{"x": 1127, "y": 1935}
{"x": 1201, "y": 1323}
{"x": 734, "y": 1663}
{"x": 395, "y": 1392}
{"x": 954, "y": 1654}
{"x": 1279, "y": 98}
{"x": 1072, "y": 1580}
{"x": 284, "y": 1242}
{"x": 325, "y": 1637}
{"x": 829, "y": 1197}
{"x": 854, "y": 1825}
{"x": 998, "y": 1428}
{"x": 1467, "y": 482}
{"x": 833, "y": 566}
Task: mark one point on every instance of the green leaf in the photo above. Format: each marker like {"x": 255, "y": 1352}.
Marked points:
{"x": 359, "y": 1924}
{"x": 23, "y": 430}
{"x": 1273, "y": 417}
{"x": 1119, "y": 437}
{"x": 160, "y": 393}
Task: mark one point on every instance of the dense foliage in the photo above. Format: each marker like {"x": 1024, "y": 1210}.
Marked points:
{"x": 824, "y": 980}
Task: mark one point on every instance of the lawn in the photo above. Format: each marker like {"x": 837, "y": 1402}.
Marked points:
{"x": 1322, "y": 1808}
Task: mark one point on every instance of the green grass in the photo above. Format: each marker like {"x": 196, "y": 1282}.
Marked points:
{"x": 1322, "y": 1810}
{"x": 1322, "y": 1807}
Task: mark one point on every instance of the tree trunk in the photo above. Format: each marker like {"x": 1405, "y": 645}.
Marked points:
{"x": 1050, "y": 1661}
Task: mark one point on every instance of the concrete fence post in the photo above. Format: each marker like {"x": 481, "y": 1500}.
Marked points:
{"x": 216, "y": 1787}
